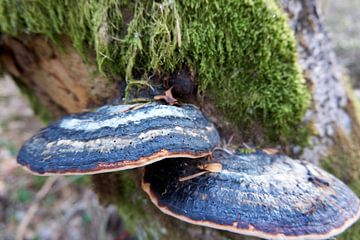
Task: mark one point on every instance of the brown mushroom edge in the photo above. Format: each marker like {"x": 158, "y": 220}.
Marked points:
{"x": 106, "y": 168}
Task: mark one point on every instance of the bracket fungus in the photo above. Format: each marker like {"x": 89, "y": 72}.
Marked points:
{"x": 119, "y": 137}
{"x": 258, "y": 194}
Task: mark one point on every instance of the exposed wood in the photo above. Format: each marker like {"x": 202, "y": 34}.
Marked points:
{"x": 56, "y": 73}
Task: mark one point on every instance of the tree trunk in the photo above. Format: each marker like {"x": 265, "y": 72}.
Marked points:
{"x": 59, "y": 78}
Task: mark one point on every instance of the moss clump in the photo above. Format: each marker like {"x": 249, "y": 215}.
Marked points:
{"x": 89, "y": 24}
{"x": 249, "y": 65}
{"x": 242, "y": 52}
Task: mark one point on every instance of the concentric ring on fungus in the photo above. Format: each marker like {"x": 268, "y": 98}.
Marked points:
{"x": 257, "y": 194}
{"x": 119, "y": 137}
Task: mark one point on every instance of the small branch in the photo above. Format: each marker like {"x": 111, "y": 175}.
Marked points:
{"x": 20, "y": 231}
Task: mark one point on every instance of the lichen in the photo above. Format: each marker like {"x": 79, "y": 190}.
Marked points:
{"x": 243, "y": 52}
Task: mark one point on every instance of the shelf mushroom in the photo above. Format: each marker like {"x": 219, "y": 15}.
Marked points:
{"x": 119, "y": 137}
{"x": 260, "y": 194}
{"x": 257, "y": 194}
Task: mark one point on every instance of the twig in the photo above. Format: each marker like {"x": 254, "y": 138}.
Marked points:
{"x": 20, "y": 231}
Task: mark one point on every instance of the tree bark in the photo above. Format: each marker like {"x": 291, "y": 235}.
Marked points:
{"x": 63, "y": 83}
{"x": 332, "y": 108}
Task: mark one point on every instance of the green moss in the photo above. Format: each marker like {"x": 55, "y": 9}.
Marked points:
{"x": 250, "y": 65}
{"x": 89, "y": 24}
{"x": 246, "y": 150}
{"x": 242, "y": 52}
{"x": 141, "y": 217}
{"x": 132, "y": 208}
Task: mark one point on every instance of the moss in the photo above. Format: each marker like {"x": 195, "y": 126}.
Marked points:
{"x": 242, "y": 52}
{"x": 141, "y": 217}
{"x": 250, "y": 66}
{"x": 89, "y": 24}
{"x": 132, "y": 210}
{"x": 246, "y": 150}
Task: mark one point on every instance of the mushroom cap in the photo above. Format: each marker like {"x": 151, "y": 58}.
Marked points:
{"x": 267, "y": 196}
{"x": 119, "y": 137}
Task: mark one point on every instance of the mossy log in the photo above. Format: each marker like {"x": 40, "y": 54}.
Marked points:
{"x": 263, "y": 71}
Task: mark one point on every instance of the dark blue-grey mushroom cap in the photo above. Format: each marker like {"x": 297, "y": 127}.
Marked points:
{"x": 119, "y": 137}
{"x": 258, "y": 194}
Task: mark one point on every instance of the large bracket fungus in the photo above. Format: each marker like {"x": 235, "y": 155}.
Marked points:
{"x": 119, "y": 137}
{"x": 268, "y": 196}
{"x": 259, "y": 194}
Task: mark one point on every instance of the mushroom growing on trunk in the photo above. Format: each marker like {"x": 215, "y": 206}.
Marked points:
{"x": 119, "y": 137}
{"x": 259, "y": 194}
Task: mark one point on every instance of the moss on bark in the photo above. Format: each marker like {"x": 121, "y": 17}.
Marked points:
{"x": 140, "y": 216}
{"x": 242, "y": 52}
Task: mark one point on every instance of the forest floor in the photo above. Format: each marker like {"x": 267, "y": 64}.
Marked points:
{"x": 33, "y": 207}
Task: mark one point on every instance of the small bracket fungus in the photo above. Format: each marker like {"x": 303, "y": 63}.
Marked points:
{"x": 119, "y": 137}
{"x": 265, "y": 195}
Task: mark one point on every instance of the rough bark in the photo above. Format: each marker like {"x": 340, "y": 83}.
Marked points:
{"x": 63, "y": 83}
{"x": 330, "y": 109}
